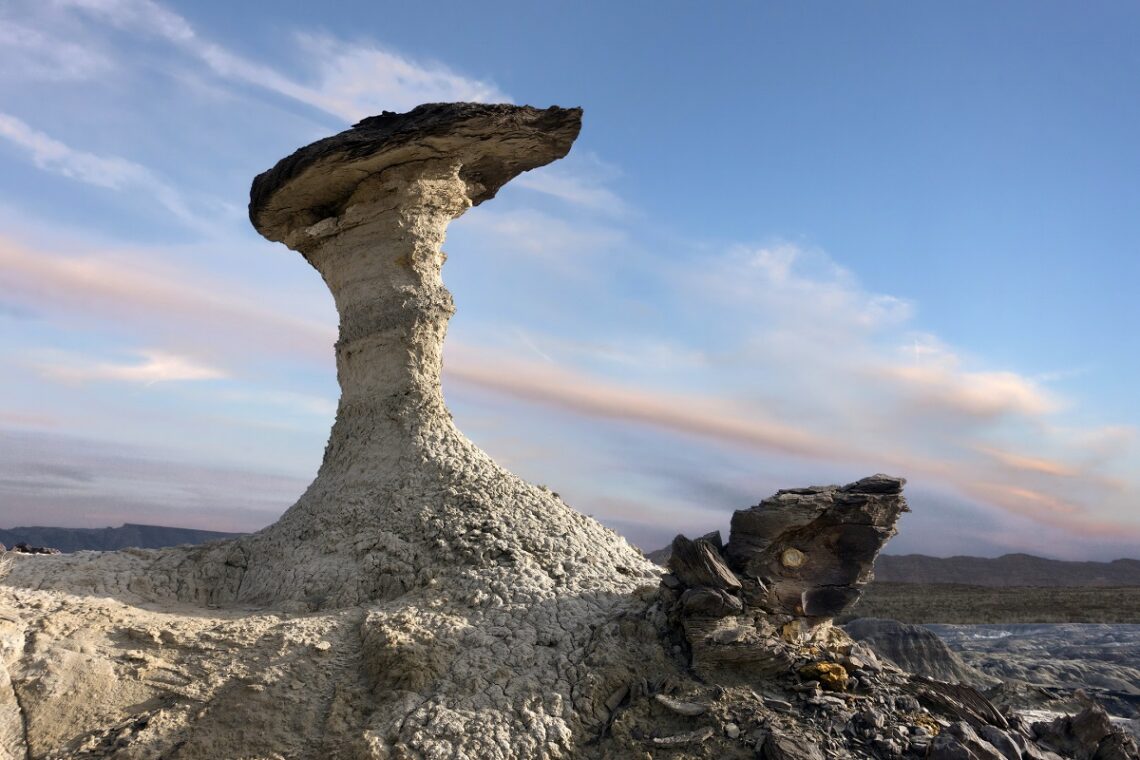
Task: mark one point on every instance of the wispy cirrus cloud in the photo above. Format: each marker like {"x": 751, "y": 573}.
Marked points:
{"x": 196, "y": 311}
{"x": 69, "y": 41}
{"x": 838, "y": 396}
{"x": 787, "y": 285}
{"x": 357, "y": 79}
{"x": 347, "y": 79}
{"x": 560, "y": 244}
{"x": 30, "y": 53}
{"x": 581, "y": 181}
{"x": 111, "y": 172}
{"x": 151, "y": 367}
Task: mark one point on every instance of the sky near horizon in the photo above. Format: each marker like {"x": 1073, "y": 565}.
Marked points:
{"x": 794, "y": 244}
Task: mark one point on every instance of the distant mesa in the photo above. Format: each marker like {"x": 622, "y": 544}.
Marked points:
{"x": 127, "y": 535}
{"x": 1005, "y": 571}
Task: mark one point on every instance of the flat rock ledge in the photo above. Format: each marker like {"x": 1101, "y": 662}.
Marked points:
{"x": 419, "y": 601}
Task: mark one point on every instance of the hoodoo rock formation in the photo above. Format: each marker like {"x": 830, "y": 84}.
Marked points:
{"x": 419, "y": 601}
{"x": 467, "y": 600}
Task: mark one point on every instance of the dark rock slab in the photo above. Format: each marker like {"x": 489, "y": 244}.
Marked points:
{"x": 709, "y": 602}
{"x": 957, "y": 701}
{"x": 961, "y": 742}
{"x": 779, "y": 747}
{"x": 724, "y": 651}
{"x": 816, "y": 546}
{"x": 698, "y": 564}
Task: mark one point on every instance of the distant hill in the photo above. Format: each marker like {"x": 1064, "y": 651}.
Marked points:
{"x": 1007, "y": 570}
{"x": 108, "y": 539}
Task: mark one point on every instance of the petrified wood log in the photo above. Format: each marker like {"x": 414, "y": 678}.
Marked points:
{"x": 816, "y": 547}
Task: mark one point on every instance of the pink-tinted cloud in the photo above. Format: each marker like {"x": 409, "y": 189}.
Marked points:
{"x": 14, "y": 419}
{"x": 684, "y": 413}
{"x": 1028, "y": 463}
{"x": 1053, "y": 511}
{"x": 736, "y": 423}
{"x": 130, "y": 292}
{"x": 153, "y": 367}
{"x": 977, "y": 394}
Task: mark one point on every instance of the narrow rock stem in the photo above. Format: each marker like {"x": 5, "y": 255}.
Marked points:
{"x": 382, "y": 261}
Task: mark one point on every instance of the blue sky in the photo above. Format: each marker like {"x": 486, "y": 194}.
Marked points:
{"x": 795, "y": 243}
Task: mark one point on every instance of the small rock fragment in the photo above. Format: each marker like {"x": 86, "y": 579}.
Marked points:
{"x": 614, "y": 701}
{"x": 682, "y": 740}
{"x": 709, "y": 602}
{"x": 778, "y": 747}
{"x": 690, "y": 709}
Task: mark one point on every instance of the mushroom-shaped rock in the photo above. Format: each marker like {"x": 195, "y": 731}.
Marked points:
{"x": 453, "y": 609}
{"x": 368, "y": 208}
{"x": 401, "y": 492}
